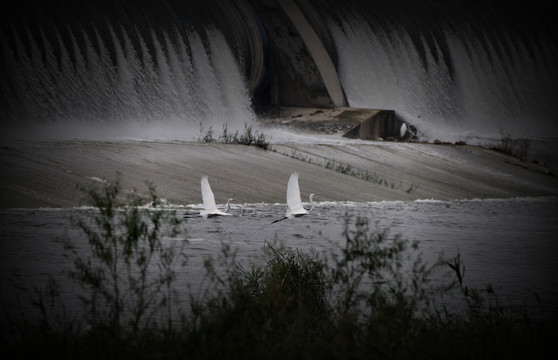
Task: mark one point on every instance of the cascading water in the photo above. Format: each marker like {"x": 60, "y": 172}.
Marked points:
{"x": 158, "y": 69}
{"x": 463, "y": 85}
{"x": 109, "y": 80}
{"x": 402, "y": 84}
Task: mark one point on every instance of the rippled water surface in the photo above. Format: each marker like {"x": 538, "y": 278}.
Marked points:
{"x": 510, "y": 244}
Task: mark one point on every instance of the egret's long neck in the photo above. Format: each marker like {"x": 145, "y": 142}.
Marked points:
{"x": 228, "y": 205}
{"x": 311, "y": 198}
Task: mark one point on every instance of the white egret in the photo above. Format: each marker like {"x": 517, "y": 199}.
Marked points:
{"x": 294, "y": 204}
{"x": 209, "y": 206}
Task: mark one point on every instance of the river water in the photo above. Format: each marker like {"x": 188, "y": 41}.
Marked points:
{"x": 508, "y": 243}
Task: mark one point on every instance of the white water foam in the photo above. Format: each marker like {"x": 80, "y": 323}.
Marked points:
{"x": 137, "y": 96}
{"x": 483, "y": 97}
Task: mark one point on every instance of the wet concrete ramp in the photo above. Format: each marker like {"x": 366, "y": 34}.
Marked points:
{"x": 46, "y": 174}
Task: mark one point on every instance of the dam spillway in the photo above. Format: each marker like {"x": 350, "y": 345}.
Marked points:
{"x": 452, "y": 70}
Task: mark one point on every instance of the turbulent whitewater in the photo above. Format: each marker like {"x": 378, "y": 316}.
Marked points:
{"x": 167, "y": 86}
{"x": 475, "y": 94}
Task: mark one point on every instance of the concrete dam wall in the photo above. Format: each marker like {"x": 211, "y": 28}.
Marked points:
{"x": 443, "y": 67}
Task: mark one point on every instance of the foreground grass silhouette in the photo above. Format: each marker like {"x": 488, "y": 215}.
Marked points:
{"x": 373, "y": 297}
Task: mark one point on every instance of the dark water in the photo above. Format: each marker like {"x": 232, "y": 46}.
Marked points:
{"x": 510, "y": 244}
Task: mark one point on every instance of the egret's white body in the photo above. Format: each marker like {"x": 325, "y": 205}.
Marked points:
{"x": 294, "y": 203}
{"x": 209, "y": 206}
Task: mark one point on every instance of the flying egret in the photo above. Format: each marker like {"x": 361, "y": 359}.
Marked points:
{"x": 294, "y": 204}
{"x": 209, "y": 206}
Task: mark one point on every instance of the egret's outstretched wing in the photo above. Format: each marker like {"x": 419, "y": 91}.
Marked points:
{"x": 293, "y": 194}
{"x": 294, "y": 203}
{"x": 207, "y": 195}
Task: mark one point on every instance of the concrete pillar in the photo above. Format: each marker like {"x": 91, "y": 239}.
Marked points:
{"x": 317, "y": 50}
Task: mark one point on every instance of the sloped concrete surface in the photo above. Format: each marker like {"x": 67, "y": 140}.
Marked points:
{"x": 45, "y": 174}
